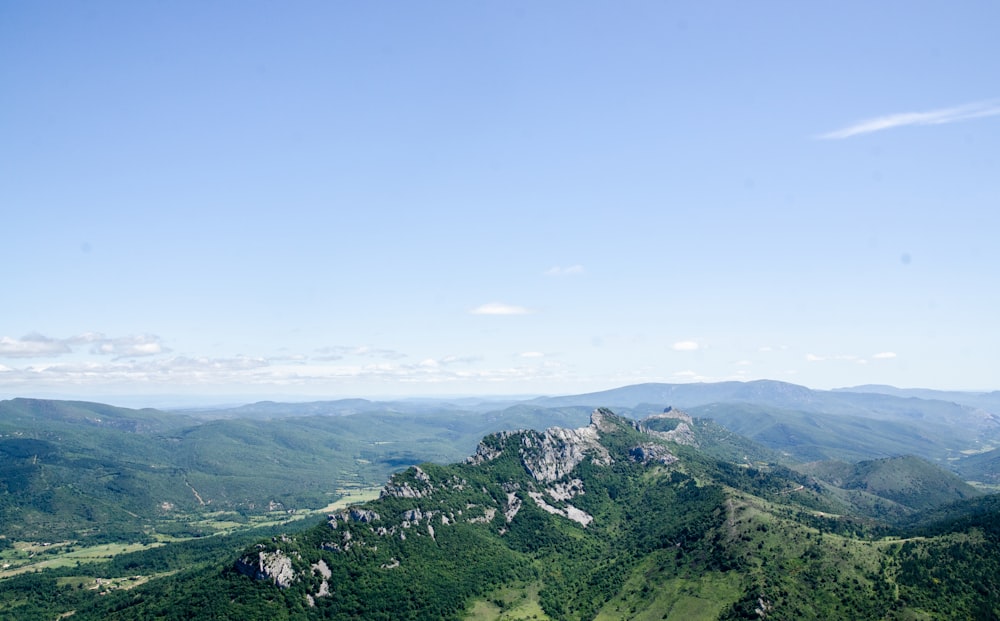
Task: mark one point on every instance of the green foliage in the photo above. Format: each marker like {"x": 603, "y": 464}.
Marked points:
{"x": 722, "y": 531}
{"x": 952, "y": 576}
{"x": 974, "y": 513}
{"x": 76, "y": 470}
{"x": 909, "y": 481}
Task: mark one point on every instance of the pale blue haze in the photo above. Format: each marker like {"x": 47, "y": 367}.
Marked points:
{"x": 314, "y": 199}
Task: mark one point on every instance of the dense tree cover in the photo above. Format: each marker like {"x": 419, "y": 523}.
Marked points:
{"x": 774, "y": 542}
{"x": 49, "y": 593}
{"x": 953, "y": 576}
{"x": 74, "y": 470}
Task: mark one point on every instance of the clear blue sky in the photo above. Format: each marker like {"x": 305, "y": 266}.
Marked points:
{"x": 324, "y": 199}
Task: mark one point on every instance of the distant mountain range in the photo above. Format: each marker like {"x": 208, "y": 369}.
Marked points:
{"x": 986, "y": 400}
{"x": 73, "y": 465}
{"x": 870, "y": 402}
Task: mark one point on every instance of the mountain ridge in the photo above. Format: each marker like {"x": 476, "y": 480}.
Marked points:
{"x": 563, "y": 467}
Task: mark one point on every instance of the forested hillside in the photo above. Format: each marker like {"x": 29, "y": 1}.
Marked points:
{"x": 88, "y": 471}
{"x": 792, "y": 505}
{"x": 614, "y": 520}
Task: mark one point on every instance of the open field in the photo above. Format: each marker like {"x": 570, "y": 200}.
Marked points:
{"x": 351, "y": 496}
{"x": 509, "y": 604}
{"x": 25, "y": 556}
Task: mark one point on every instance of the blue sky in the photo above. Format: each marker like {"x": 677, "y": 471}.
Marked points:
{"x": 320, "y": 199}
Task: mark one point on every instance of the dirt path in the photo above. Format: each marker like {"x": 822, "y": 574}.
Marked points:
{"x": 195, "y": 492}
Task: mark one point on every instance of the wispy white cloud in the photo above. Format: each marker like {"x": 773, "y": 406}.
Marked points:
{"x": 186, "y": 372}
{"x": 169, "y": 371}
{"x": 941, "y": 116}
{"x": 297, "y": 358}
{"x": 564, "y": 271}
{"x": 129, "y": 346}
{"x": 686, "y": 346}
{"x": 339, "y": 352}
{"x": 40, "y": 346}
{"x": 498, "y": 308}
{"x": 33, "y": 346}
{"x": 689, "y": 376}
{"x": 460, "y": 359}
{"x": 885, "y": 355}
{"x": 93, "y": 361}
{"x": 532, "y": 354}
{"x": 816, "y": 358}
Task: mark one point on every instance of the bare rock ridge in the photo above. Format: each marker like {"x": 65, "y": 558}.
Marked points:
{"x": 681, "y": 434}
{"x": 270, "y": 565}
{"x": 420, "y": 501}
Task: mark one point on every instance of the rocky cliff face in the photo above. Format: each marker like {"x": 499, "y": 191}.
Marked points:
{"x": 271, "y": 565}
{"x": 420, "y": 502}
{"x": 683, "y": 433}
{"x": 552, "y": 454}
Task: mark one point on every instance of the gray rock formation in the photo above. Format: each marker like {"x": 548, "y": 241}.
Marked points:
{"x": 647, "y": 452}
{"x": 353, "y": 514}
{"x": 552, "y": 454}
{"x": 437, "y": 503}
{"x": 268, "y": 565}
{"x": 681, "y": 434}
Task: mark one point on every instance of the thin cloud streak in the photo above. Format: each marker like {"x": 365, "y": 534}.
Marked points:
{"x": 339, "y": 352}
{"x": 815, "y": 358}
{"x": 185, "y": 372}
{"x": 931, "y": 117}
{"x": 40, "y": 346}
{"x": 32, "y": 346}
{"x": 496, "y": 308}
{"x": 564, "y": 271}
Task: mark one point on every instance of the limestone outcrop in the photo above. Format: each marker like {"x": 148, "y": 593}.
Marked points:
{"x": 271, "y": 565}
{"x": 539, "y": 467}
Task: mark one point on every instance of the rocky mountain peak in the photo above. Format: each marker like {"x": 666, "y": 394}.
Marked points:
{"x": 606, "y": 421}
{"x": 423, "y": 502}
{"x": 552, "y": 454}
{"x": 681, "y": 433}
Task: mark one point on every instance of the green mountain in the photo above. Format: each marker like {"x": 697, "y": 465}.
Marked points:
{"x": 809, "y": 425}
{"x": 77, "y": 470}
{"x": 618, "y": 519}
{"x": 20, "y": 413}
{"x": 892, "y": 488}
{"x": 791, "y": 397}
{"x": 811, "y": 436}
{"x": 983, "y": 466}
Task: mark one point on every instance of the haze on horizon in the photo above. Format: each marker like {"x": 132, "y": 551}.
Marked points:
{"x": 322, "y": 200}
